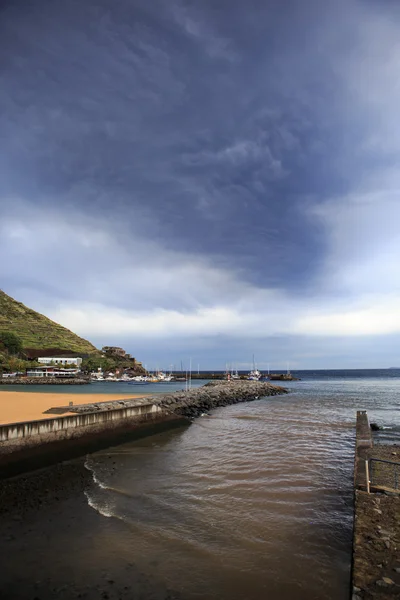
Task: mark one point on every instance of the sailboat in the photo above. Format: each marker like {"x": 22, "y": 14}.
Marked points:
{"x": 255, "y": 374}
{"x": 163, "y": 377}
{"x": 234, "y": 374}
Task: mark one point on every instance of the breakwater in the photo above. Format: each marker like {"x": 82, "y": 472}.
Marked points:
{"x": 214, "y": 394}
{"x": 43, "y": 381}
{"x": 28, "y": 445}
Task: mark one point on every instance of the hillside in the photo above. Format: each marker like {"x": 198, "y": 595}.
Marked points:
{"x": 36, "y": 330}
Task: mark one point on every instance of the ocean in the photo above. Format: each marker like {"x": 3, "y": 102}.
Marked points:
{"x": 254, "y": 501}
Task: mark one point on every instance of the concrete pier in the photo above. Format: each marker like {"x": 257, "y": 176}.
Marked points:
{"x": 376, "y": 541}
{"x": 363, "y": 444}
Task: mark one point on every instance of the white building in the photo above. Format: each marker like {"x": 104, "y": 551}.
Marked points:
{"x": 51, "y": 372}
{"x": 60, "y": 361}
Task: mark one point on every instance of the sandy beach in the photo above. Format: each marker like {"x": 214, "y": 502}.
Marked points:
{"x": 22, "y": 406}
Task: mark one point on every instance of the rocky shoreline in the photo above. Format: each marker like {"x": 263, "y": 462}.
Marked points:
{"x": 43, "y": 381}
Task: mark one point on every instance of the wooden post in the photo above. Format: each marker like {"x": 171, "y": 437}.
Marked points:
{"x": 367, "y": 475}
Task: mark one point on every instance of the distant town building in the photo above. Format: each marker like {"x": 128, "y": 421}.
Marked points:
{"x": 51, "y": 372}
{"x": 115, "y": 351}
{"x": 58, "y": 360}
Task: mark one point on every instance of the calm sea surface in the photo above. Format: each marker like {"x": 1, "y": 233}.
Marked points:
{"x": 105, "y": 387}
{"x": 253, "y": 501}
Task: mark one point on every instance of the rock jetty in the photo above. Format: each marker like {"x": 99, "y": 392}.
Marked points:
{"x": 195, "y": 402}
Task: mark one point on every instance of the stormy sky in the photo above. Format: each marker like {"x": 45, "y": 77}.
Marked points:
{"x": 206, "y": 179}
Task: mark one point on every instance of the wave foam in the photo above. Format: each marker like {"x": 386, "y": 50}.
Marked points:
{"x": 105, "y": 511}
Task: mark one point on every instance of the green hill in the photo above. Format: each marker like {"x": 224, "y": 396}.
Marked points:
{"x": 36, "y": 330}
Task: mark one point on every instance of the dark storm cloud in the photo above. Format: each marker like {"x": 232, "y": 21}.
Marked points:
{"x": 202, "y": 168}
{"x": 172, "y": 109}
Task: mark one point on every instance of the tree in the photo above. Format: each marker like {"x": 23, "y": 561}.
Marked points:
{"x": 16, "y": 364}
{"x": 11, "y": 342}
{"x": 3, "y": 362}
{"x": 92, "y": 363}
{"x": 109, "y": 364}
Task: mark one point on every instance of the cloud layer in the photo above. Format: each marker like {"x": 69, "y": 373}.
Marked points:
{"x": 188, "y": 176}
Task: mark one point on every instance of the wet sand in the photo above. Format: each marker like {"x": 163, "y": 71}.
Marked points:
{"x": 47, "y": 511}
{"x": 20, "y": 406}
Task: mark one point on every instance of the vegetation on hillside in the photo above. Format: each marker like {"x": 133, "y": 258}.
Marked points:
{"x": 23, "y": 330}
{"x": 37, "y": 331}
{"x": 10, "y": 342}
{"x": 13, "y": 359}
{"x": 11, "y": 355}
{"x": 108, "y": 364}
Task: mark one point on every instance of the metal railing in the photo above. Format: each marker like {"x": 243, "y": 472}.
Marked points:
{"x": 384, "y": 473}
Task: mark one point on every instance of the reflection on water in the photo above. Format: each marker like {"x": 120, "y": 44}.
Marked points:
{"x": 254, "y": 501}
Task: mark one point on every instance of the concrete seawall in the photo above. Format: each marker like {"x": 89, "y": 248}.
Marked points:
{"x": 363, "y": 444}
{"x": 34, "y": 444}
{"x": 39, "y": 432}
{"x": 29, "y": 445}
